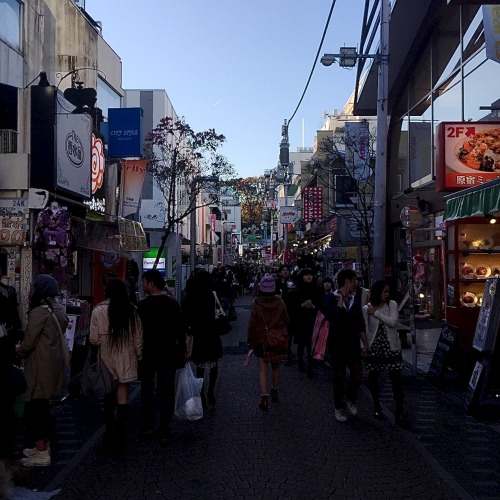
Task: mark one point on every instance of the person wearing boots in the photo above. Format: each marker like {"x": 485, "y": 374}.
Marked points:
{"x": 115, "y": 326}
{"x": 381, "y": 316}
{"x": 303, "y": 304}
{"x": 164, "y": 351}
{"x": 267, "y": 323}
{"x": 204, "y": 343}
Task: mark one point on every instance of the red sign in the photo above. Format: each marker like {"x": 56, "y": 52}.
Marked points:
{"x": 313, "y": 204}
{"x": 467, "y": 154}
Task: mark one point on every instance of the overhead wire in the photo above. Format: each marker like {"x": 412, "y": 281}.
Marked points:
{"x": 315, "y": 60}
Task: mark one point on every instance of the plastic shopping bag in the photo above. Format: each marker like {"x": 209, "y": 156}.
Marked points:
{"x": 187, "y": 396}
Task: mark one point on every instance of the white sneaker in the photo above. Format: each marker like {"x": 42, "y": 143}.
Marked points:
{"x": 351, "y": 408}
{"x": 29, "y": 452}
{"x": 340, "y": 415}
{"x": 38, "y": 459}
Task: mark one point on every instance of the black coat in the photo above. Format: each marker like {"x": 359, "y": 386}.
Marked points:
{"x": 198, "y": 309}
{"x": 302, "y": 319}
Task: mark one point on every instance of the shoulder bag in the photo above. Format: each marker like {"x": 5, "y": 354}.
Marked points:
{"x": 276, "y": 340}
{"x": 223, "y": 324}
{"x": 96, "y": 380}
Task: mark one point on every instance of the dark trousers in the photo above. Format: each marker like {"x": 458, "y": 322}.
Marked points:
{"x": 38, "y": 419}
{"x": 340, "y": 363}
{"x": 397, "y": 387}
{"x": 165, "y": 396}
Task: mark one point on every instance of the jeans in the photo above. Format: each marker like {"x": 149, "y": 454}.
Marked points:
{"x": 340, "y": 362}
{"x": 165, "y": 396}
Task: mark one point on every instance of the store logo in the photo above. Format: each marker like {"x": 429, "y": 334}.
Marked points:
{"x": 74, "y": 149}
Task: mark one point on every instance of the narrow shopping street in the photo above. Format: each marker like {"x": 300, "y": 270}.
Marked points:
{"x": 295, "y": 450}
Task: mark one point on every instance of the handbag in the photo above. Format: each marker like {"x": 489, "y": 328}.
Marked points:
{"x": 188, "y": 404}
{"x": 223, "y": 325}
{"x": 320, "y": 336}
{"x": 232, "y": 313}
{"x": 96, "y": 380}
{"x": 275, "y": 340}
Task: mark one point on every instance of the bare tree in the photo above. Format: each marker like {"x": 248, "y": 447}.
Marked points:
{"x": 344, "y": 167}
{"x": 183, "y": 164}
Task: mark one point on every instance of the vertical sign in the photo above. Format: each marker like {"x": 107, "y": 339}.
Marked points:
{"x": 313, "y": 204}
{"x": 357, "y": 140}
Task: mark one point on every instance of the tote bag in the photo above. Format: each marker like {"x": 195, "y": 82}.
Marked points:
{"x": 96, "y": 380}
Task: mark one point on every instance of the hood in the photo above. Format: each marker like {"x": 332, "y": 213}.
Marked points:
{"x": 268, "y": 302}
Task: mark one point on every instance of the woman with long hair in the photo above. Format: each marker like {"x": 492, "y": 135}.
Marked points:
{"x": 381, "y": 317}
{"x": 204, "y": 344}
{"x": 268, "y": 322}
{"x": 115, "y": 326}
{"x": 45, "y": 367}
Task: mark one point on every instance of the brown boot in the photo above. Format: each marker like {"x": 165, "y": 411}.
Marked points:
{"x": 264, "y": 402}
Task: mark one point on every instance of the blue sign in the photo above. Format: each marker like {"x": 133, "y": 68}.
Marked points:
{"x": 125, "y": 132}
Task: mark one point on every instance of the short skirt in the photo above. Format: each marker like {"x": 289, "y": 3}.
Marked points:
{"x": 270, "y": 356}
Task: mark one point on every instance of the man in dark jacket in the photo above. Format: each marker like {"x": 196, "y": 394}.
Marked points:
{"x": 164, "y": 351}
{"x": 347, "y": 333}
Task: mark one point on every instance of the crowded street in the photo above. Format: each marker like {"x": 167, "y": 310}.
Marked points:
{"x": 294, "y": 450}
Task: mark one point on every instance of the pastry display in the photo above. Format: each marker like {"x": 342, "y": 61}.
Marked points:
{"x": 483, "y": 271}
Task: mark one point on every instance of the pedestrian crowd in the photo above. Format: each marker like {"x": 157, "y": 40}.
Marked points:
{"x": 332, "y": 320}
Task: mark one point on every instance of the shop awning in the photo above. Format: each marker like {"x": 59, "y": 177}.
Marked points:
{"x": 478, "y": 200}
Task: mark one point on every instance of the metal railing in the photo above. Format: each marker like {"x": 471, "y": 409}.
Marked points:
{"x": 8, "y": 141}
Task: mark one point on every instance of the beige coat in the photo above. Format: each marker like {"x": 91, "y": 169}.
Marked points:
{"x": 121, "y": 363}
{"x": 44, "y": 368}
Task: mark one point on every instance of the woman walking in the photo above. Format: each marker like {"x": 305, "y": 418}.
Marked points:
{"x": 45, "y": 367}
{"x": 204, "y": 344}
{"x": 381, "y": 316}
{"x": 267, "y": 336}
{"x": 304, "y": 302}
{"x": 115, "y": 327}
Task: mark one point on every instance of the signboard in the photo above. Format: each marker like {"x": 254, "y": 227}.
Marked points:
{"x": 313, "y": 204}
{"x": 125, "y": 132}
{"x": 448, "y": 339}
{"x": 491, "y": 23}
{"x": 342, "y": 253}
{"x": 464, "y": 157}
{"x": 149, "y": 258}
{"x": 410, "y": 217}
{"x": 489, "y": 317}
{"x": 74, "y": 137}
{"x": 134, "y": 172}
{"x": 420, "y": 140}
{"x": 288, "y": 215}
{"x": 13, "y": 226}
{"x": 357, "y": 140}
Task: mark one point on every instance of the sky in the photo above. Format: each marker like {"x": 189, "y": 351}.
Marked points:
{"x": 237, "y": 66}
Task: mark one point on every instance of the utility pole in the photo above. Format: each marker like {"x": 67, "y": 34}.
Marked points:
{"x": 380, "y": 195}
{"x": 284, "y": 162}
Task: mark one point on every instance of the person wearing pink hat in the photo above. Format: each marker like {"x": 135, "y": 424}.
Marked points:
{"x": 268, "y": 337}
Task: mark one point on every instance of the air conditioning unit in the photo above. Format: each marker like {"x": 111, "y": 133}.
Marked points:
{"x": 8, "y": 141}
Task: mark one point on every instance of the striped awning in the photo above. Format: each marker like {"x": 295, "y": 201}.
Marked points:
{"x": 478, "y": 200}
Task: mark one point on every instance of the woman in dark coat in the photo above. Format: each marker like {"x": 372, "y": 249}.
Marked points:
{"x": 199, "y": 310}
{"x": 304, "y": 302}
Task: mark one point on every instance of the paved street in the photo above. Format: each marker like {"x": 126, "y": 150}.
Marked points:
{"x": 295, "y": 450}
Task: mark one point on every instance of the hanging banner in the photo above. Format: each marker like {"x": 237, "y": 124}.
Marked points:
{"x": 357, "y": 158}
{"x": 491, "y": 23}
{"x": 313, "y": 204}
{"x": 134, "y": 172}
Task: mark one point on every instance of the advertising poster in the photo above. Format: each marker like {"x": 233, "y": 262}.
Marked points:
{"x": 357, "y": 139}
{"x": 134, "y": 172}
{"x": 313, "y": 204}
{"x": 467, "y": 154}
{"x": 489, "y": 317}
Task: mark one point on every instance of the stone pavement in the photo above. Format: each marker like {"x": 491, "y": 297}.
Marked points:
{"x": 295, "y": 450}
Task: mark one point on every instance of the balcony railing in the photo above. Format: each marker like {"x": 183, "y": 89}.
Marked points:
{"x": 8, "y": 141}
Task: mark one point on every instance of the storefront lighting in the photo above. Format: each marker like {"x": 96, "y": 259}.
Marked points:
{"x": 492, "y": 220}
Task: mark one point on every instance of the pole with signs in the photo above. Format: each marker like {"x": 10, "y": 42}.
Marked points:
{"x": 411, "y": 218}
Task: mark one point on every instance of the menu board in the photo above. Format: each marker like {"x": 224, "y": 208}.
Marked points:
{"x": 448, "y": 339}
{"x": 489, "y": 317}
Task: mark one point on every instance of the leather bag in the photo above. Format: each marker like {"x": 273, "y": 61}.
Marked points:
{"x": 96, "y": 380}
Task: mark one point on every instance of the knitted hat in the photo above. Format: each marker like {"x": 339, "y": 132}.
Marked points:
{"x": 267, "y": 284}
{"x": 46, "y": 285}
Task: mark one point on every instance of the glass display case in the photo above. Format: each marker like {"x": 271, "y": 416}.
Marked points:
{"x": 472, "y": 255}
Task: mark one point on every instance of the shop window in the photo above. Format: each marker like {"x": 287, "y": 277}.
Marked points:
{"x": 10, "y": 23}
{"x": 345, "y": 188}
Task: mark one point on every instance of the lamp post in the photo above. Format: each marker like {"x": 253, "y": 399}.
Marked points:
{"x": 348, "y": 58}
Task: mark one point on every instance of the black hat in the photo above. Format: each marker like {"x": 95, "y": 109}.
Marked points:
{"x": 46, "y": 285}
